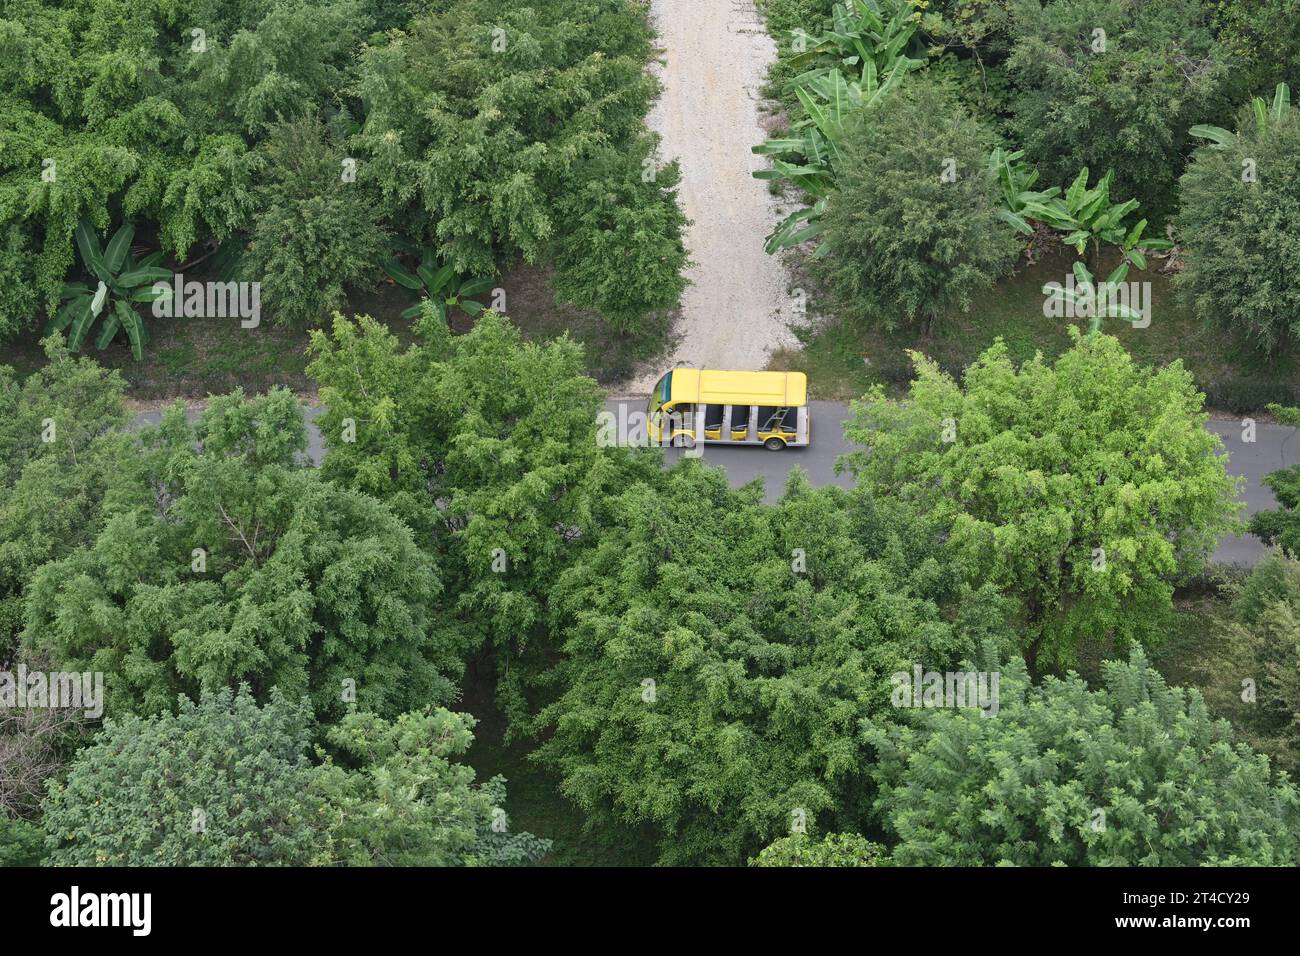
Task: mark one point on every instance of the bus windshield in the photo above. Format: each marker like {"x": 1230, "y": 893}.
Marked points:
{"x": 661, "y": 392}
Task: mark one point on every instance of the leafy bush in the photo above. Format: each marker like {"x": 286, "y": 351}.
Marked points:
{"x": 226, "y": 782}
{"x": 913, "y": 223}
{"x": 315, "y": 234}
{"x": 718, "y": 654}
{"x": 1134, "y": 774}
{"x": 1128, "y": 107}
{"x": 834, "y": 849}
{"x": 52, "y": 492}
{"x": 221, "y": 783}
{"x": 225, "y": 559}
{"x": 1056, "y": 487}
{"x": 1239, "y": 222}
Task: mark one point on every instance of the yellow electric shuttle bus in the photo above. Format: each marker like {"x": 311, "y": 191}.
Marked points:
{"x": 738, "y": 408}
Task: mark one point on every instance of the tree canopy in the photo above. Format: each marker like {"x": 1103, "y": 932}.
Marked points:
{"x": 1134, "y": 774}
{"x": 1082, "y": 488}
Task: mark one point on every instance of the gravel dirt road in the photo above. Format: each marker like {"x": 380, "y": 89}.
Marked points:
{"x": 715, "y": 58}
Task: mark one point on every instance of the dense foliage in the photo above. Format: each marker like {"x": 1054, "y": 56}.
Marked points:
{"x": 1082, "y": 488}
{"x": 834, "y": 849}
{"x": 1122, "y": 98}
{"x": 225, "y": 782}
{"x": 226, "y": 559}
{"x": 302, "y": 132}
{"x": 689, "y": 666}
{"x": 58, "y": 456}
{"x": 913, "y": 223}
{"x": 1240, "y": 219}
{"x": 1260, "y": 662}
{"x": 497, "y": 128}
{"x": 485, "y": 445}
{"x": 719, "y": 654}
{"x": 1134, "y": 774}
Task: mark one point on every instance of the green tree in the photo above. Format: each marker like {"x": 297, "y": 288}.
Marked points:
{"x": 1238, "y": 218}
{"x": 718, "y": 654}
{"x": 1110, "y": 84}
{"x": 430, "y": 811}
{"x": 59, "y": 456}
{"x": 318, "y": 232}
{"x": 227, "y": 559}
{"x": 226, "y": 782}
{"x": 220, "y": 783}
{"x": 834, "y": 849}
{"x": 1133, "y": 774}
{"x": 1081, "y": 488}
{"x": 486, "y": 446}
{"x": 913, "y": 223}
{"x": 518, "y": 130}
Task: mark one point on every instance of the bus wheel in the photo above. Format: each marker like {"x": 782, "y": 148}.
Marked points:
{"x": 774, "y": 444}
{"x": 684, "y": 441}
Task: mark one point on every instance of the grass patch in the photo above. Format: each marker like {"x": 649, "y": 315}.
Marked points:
{"x": 843, "y": 360}
{"x": 198, "y": 357}
{"x": 533, "y": 799}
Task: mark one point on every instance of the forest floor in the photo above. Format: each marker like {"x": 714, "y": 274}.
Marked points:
{"x": 735, "y": 313}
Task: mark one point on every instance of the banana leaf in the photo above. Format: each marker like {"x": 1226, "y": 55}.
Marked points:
{"x": 1216, "y": 133}
{"x": 82, "y": 320}
{"x": 91, "y": 254}
{"x": 64, "y": 316}
{"x": 134, "y": 326}
{"x": 107, "y": 329}
{"x": 1074, "y": 195}
{"x": 400, "y": 275}
{"x": 1006, "y": 215}
{"x": 118, "y": 247}
{"x": 147, "y": 275}
{"x": 475, "y": 286}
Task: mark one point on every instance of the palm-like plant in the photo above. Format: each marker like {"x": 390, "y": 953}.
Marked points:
{"x": 863, "y": 40}
{"x": 1096, "y": 298}
{"x": 438, "y": 282}
{"x": 122, "y": 282}
{"x": 1015, "y": 179}
{"x": 1266, "y": 115}
{"x": 1089, "y": 217}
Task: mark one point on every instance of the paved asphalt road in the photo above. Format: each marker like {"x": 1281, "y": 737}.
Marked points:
{"x": 1272, "y": 449}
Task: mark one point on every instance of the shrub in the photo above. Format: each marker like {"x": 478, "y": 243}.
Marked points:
{"x": 1239, "y": 218}
{"x": 913, "y": 224}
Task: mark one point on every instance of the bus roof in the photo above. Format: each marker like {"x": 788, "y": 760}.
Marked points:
{"x": 716, "y": 387}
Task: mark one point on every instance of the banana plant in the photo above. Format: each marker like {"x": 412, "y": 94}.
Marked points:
{"x": 1266, "y": 115}
{"x": 1015, "y": 179}
{"x": 864, "y": 41}
{"x": 1097, "y": 299}
{"x": 1089, "y": 217}
{"x": 438, "y": 282}
{"x": 864, "y": 34}
{"x": 122, "y": 283}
